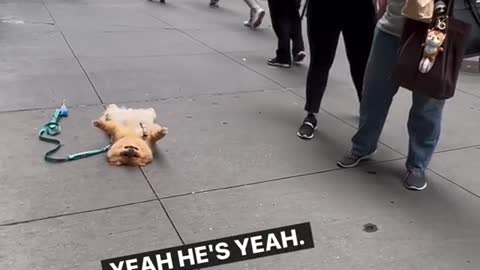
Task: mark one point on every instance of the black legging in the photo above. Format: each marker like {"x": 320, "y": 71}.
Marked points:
{"x": 287, "y": 25}
{"x": 356, "y": 20}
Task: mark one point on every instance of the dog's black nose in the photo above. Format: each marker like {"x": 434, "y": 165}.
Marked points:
{"x": 130, "y": 152}
{"x": 131, "y": 147}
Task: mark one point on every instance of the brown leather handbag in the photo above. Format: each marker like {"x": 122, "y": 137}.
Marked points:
{"x": 440, "y": 82}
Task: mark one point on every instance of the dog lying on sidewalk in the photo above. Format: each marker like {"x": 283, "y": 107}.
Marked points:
{"x": 133, "y": 132}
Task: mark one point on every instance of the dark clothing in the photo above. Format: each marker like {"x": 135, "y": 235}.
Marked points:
{"x": 287, "y": 25}
{"x": 356, "y": 20}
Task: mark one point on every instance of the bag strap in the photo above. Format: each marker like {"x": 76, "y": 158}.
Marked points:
{"x": 472, "y": 5}
{"x": 450, "y": 5}
{"x": 304, "y": 9}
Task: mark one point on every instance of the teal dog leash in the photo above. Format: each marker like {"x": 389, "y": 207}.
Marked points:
{"x": 52, "y": 129}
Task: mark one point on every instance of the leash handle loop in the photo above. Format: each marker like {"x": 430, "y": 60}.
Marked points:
{"x": 53, "y": 128}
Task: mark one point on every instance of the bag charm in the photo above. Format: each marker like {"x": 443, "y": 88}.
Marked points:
{"x": 435, "y": 38}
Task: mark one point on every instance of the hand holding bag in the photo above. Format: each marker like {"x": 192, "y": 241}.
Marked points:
{"x": 304, "y": 10}
{"x": 440, "y": 82}
{"x": 381, "y": 7}
{"x": 418, "y": 10}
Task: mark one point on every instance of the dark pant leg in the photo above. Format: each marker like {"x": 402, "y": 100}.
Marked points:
{"x": 358, "y": 35}
{"x": 296, "y": 34}
{"x": 323, "y": 34}
{"x": 279, "y": 14}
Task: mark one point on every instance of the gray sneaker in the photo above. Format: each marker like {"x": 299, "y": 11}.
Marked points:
{"x": 351, "y": 159}
{"x": 415, "y": 181}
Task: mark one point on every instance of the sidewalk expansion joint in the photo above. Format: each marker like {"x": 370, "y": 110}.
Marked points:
{"x": 76, "y": 213}
{"x": 218, "y": 51}
{"x": 73, "y": 53}
{"x": 49, "y": 108}
{"x": 455, "y": 183}
{"x": 285, "y": 178}
{"x": 170, "y": 219}
{"x": 239, "y": 92}
{"x": 345, "y": 122}
{"x": 466, "y": 92}
{"x": 457, "y": 149}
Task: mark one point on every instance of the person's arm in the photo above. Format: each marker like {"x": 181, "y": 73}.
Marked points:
{"x": 381, "y": 7}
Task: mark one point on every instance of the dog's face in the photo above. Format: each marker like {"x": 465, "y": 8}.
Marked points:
{"x": 130, "y": 151}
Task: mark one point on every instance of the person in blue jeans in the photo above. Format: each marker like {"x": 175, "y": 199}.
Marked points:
{"x": 424, "y": 122}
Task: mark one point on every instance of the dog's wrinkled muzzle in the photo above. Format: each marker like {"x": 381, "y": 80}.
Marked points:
{"x": 130, "y": 151}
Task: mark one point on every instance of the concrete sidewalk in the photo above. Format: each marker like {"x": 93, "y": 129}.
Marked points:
{"x": 231, "y": 163}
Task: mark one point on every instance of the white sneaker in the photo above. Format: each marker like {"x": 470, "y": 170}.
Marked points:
{"x": 256, "y": 17}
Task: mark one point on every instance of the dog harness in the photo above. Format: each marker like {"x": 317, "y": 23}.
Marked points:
{"x": 53, "y": 128}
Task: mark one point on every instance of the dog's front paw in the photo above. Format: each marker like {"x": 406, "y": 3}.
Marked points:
{"x": 159, "y": 133}
{"x": 162, "y": 132}
{"x": 142, "y": 164}
{"x": 100, "y": 124}
{"x": 115, "y": 163}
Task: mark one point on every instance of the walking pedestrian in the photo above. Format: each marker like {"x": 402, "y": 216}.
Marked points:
{"x": 256, "y": 13}
{"x": 356, "y": 20}
{"x": 287, "y": 25}
{"x": 425, "y": 116}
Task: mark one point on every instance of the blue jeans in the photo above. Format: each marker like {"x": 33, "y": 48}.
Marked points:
{"x": 424, "y": 122}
